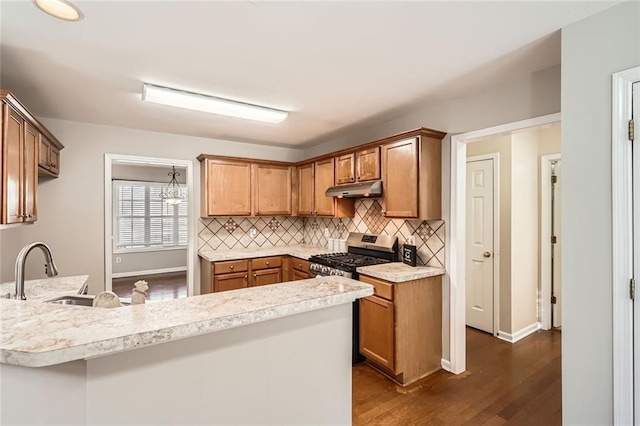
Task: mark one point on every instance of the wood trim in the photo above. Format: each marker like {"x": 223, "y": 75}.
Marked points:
{"x": 10, "y": 98}
{"x": 203, "y": 157}
{"x": 381, "y": 288}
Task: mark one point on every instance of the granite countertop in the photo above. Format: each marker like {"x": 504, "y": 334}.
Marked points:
{"x": 398, "y": 272}
{"x": 46, "y": 288}
{"x": 36, "y": 334}
{"x": 300, "y": 251}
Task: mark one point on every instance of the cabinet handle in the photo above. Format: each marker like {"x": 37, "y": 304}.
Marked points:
{"x": 231, "y": 267}
{"x": 52, "y": 164}
{"x": 384, "y": 212}
{"x": 254, "y": 275}
{"x": 300, "y": 265}
{"x": 246, "y": 276}
{"x": 351, "y": 178}
{"x": 267, "y": 263}
{"x": 358, "y": 177}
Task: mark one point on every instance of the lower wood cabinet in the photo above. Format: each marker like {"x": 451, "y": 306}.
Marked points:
{"x": 299, "y": 275}
{"x": 401, "y": 328}
{"x": 236, "y": 274}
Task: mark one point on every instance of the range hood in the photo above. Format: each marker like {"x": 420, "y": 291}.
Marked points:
{"x": 365, "y": 189}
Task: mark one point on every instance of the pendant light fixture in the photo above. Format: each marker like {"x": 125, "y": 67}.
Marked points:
{"x": 173, "y": 193}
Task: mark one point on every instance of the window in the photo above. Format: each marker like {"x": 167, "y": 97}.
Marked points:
{"x": 143, "y": 220}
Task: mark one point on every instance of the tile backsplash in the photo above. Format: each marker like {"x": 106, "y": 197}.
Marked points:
{"x": 254, "y": 232}
{"x": 429, "y": 235}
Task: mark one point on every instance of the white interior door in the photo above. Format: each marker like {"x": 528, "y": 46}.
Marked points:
{"x": 479, "y": 252}
{"x": 556, "y": 250}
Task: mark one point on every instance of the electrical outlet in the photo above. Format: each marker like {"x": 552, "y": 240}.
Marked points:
{"x": 411, "y": 240}
{"x": 118, "y": 259}
{"x": 326, "y": 232}
{"x": 253, "y": 232}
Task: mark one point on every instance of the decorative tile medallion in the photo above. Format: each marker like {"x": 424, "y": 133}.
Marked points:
{"x": 273, "y": 224}
{"x": 230, "y": 225}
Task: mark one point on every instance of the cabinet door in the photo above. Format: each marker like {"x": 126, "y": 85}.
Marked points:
{"x": 325, "y": 206}
{"x": 13, "y": 137}
{"x": 267, "y": 276}
{"x": 230, "y": 281}
{"x": 305, "y": 190}
{"x": 272, "y": 184}
{"x": 368, "y": 164}
{"x": 30, "y": 184}
{"x": 228, "y": 188}
{"x": 377, "y": 331}
{"x": 55, "y": 160}
{"x": 345, "y": 169}
{"x": 299, "y": 275}
{"x": 44, "y": 157}
{"x": 400, "y": 178}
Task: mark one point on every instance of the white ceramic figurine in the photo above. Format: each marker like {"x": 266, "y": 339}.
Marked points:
{"x": 139, "y": 294}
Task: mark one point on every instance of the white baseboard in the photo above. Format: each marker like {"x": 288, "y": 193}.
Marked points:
{"x": 520, "y": 334}
{"x": 150, "y": 272}
{"x": 446, "y": 364}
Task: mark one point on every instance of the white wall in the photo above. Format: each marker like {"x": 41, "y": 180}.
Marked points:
{"x": 71, "y": 208}
{"x": 524, "y": 230}
{"x": 149, "y": 260}
{"x": 592, "y": 49}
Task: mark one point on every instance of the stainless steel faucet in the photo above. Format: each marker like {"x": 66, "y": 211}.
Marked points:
{"x": 49, "y": 267}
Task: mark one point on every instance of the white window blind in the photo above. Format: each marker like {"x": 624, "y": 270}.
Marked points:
{"x": 143, "y": 220}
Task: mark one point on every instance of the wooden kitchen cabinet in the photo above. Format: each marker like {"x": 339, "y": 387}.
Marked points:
{"x": 49, "y": 158}
{"x": 377, "y": 331}
{"x": 313, "y": 181}
{"x": 415, "y": 192}
{"x": 242, "y": 187}
{"x": 368, "y": 164}
{"x": 272, "y": 184}
{"x": 295, "y": 269}
{"x": 400, "y": 179}
{"x": 19, "y": 168}
{"x": 226, "y": 188}
{"x": 345, "y": 169}
{"x": 299, "y": 275}
{"x": 266, "y": 276}
{"x": 233, "y": 281}
{"x": 401, "y": 327}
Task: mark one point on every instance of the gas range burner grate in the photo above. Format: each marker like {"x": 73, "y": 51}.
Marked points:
{"x": 347, "y": 260}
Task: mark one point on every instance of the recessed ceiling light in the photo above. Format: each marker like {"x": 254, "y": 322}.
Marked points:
{"x": 211, "y": 104}
{"x": 61, "y": 9}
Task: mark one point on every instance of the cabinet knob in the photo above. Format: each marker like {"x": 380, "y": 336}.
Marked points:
{"x": 384, "y": 212}
{"x": 358, "y": 177}
{"x": 267, "y": 263}
{"x": 52, "y": 164}
{"x": 351, "y": 178}
{"x": 246, "y": 276}
{"x": 300, "y": 265}
{"x": 231, "y": 267}
{"x": 254, "y": 275}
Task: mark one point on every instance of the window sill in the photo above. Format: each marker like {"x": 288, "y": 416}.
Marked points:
{"x": 147, "y": 249}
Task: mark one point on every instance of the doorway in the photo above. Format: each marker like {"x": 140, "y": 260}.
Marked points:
{"x": 456, "y": 261}
{"x": 147, "y": 237}
{"x": 551, "y": 241}
{"x": 483, "y": 241}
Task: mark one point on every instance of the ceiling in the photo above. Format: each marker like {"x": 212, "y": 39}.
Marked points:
{"x": 332, "y": 64}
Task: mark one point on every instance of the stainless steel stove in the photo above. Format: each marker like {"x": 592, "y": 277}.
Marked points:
{"x": 363, "y": 250}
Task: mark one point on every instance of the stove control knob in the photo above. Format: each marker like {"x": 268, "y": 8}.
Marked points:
{"x": 325, "y": 270}
{"x": 340, "y": 273}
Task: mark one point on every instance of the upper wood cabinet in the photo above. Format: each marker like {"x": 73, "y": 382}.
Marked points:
{"x": 49, "y": 158}
{"x": 359, "y": 166}
{"x": 272, "y": 184}
{"x": 21, "y": 136}
{"x": 226, "y": 188}
{"x": 313, "y": 181}
{"x": 368, "y": 164}
{"x": 345, "y": 169}
{"x": 324, "y": 206}
{"x": 415, "y": 192}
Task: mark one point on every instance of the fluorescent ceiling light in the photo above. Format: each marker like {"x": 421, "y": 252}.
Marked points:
{"x": 61, "y": 9}
{"x": 211, "y": 104}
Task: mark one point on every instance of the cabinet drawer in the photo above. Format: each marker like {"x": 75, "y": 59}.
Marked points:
{"x": 381, "y": 288}
{"x": 230, "y": 266}
{"x": 300, "y": 265}
{"x": 266, "y": 262}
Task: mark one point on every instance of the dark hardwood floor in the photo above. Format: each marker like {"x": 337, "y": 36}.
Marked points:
{"x": 161, "y": 286}
{"x": 505, "y": 384}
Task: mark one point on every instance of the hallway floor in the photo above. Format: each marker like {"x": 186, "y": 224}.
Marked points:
{"x": 161, "y": 286}
{"x": 505, "y": 384}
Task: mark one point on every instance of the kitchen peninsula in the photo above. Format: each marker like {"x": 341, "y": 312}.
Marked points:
{"x": 275, "y": 354}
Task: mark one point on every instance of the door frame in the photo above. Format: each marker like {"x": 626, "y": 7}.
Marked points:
{"x": 109, "y": 159}
{"x": 545, "y": 235}
{"x": 455, "y": 259}
{"x": 495, "y": 156}
{"x": 622, "y": 245}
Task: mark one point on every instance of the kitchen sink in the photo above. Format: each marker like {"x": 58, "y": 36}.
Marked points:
{"x": 77, "y": 300}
